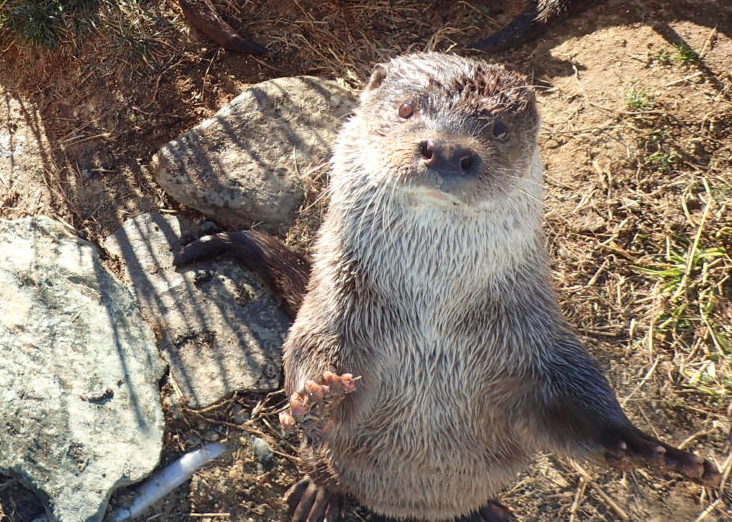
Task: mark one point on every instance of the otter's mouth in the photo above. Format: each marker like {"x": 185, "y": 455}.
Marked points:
{"x": 432, "y": 194}
{"x": 435, "y": 196}
{"x": 430, "y": 187}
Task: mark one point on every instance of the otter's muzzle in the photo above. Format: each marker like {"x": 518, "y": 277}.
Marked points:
{"x": 449, "y": 158}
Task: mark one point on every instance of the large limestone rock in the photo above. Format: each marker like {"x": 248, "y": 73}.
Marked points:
{"x": 220, "y": 329}
{"x": 80, "y": 410}
{"x": 246, "y": 164}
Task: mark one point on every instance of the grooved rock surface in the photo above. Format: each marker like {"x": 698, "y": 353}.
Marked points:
{"x": 220, "y": 329}
{"x": 80, "y": 409}
{"x": 246, "y": 164}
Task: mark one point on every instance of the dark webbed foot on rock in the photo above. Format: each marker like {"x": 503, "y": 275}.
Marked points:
{"x": 309, "y": 408}
{"x": 532, "y": 22}
{"x": 205, "y": 18}
{"x": 312, "y": 503}
{"x": 523, "y": 28}
{"x": 626, "y": 449}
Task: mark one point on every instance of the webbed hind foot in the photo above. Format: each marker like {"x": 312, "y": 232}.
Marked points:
{"x": 313, "y": 503}
{"x": 493, "y": 511}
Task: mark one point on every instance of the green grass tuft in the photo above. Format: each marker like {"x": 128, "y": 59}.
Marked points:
{"x": 694, "y": 285}
{"x": 662, "y": 161}
{"x": 685, "y": 54}
{"x": 638, "y": 99}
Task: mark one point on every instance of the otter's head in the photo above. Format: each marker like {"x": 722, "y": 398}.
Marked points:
{"x": 446, "y": 130}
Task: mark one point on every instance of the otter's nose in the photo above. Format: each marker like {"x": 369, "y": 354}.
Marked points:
{"x": 448, "y": 157}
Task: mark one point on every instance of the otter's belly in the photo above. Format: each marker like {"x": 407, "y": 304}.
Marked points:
{"x": 433, "y": 445}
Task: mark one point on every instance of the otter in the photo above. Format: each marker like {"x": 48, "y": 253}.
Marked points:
{"x": 429, "y": 360}
{"x": 532, "y": 22}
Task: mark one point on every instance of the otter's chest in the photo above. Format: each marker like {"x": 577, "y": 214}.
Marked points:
{"x": 430, "y": 387}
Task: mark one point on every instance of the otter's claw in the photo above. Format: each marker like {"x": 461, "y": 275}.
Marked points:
{"x": 629, "y": 449}
{"x": 313, "y": 503}
{"x": 310, "y": 406}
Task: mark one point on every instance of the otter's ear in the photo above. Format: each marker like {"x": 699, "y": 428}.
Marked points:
{"x": 377, "y": 78}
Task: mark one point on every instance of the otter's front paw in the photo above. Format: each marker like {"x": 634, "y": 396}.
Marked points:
{"x": 626, "y": 449}
{"x": 309, "y": 408}
{"x": 312, "y": 503}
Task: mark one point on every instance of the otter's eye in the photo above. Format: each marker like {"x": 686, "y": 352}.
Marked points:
{"x": 406, "y": 110}
{"x": 500, "y": 131}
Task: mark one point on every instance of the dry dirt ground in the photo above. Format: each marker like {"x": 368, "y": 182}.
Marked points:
{"x": 636, "y": 99}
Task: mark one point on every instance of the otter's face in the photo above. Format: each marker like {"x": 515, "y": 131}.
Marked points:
{"x": 447, "y": 130}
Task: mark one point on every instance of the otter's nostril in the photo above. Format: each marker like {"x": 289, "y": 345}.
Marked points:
{"x": 426, "y": 149}
{"x": 466, "y": 162}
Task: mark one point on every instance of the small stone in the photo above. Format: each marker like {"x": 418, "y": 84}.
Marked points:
{"x": 193, "y": 440}
{"x": 263, "y": 453}
{"x": 202, "y": 276}
{"x": 239, "y": 415}
{"x": 211, "y": 435}
{"x": 210, "y": 227}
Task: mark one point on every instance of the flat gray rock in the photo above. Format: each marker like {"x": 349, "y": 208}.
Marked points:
{"x": 220, "y": 329}
{"x": 246, "y": 164}
{"x": 80, "y": 411}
